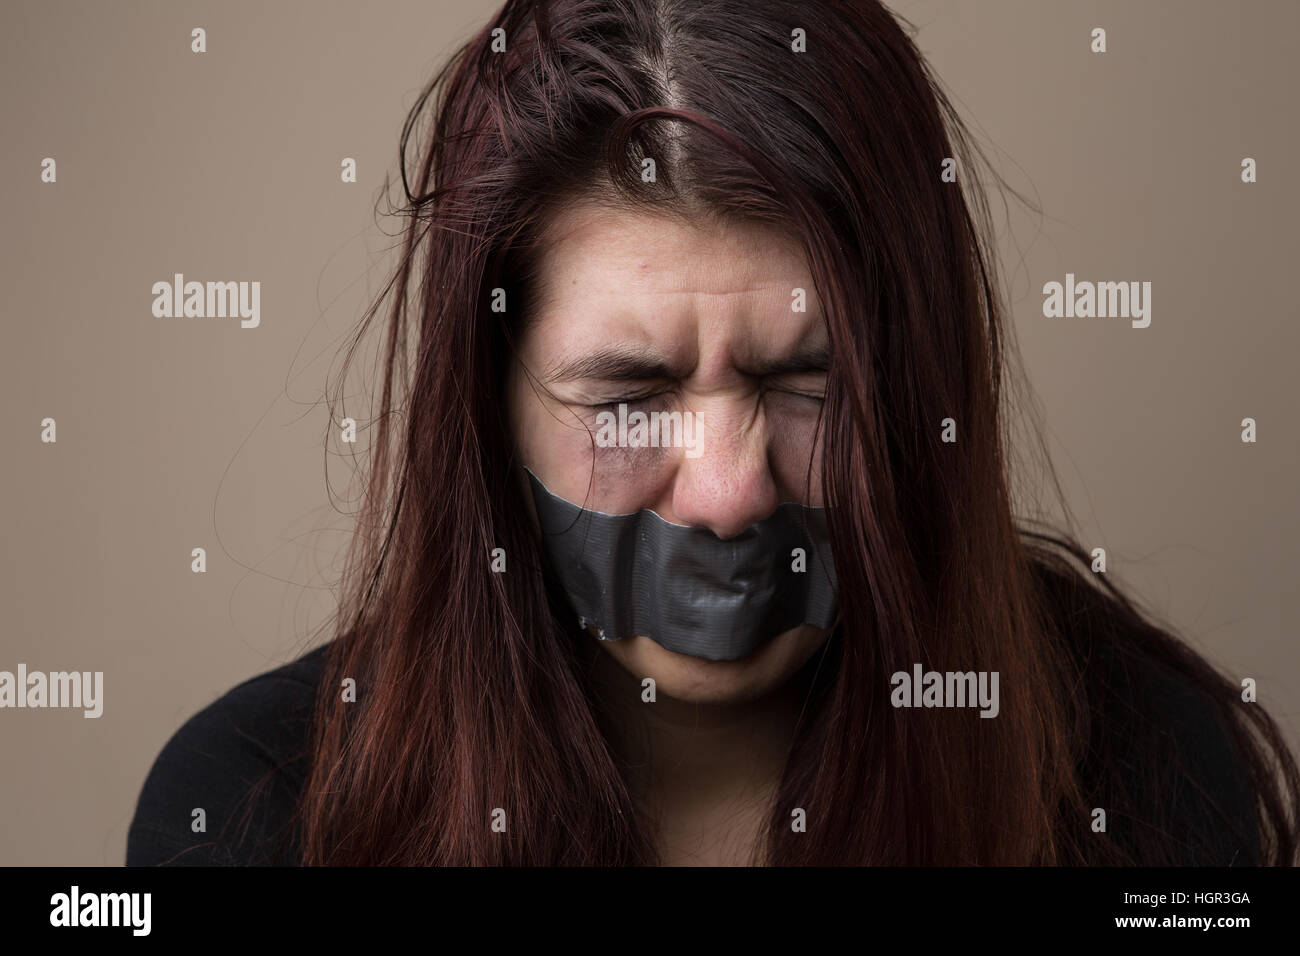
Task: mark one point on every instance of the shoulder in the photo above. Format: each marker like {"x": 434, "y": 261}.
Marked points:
{"x": 241, "y": 760}
{"x": 1162, "y": 755}
{"x": 1181, "y": 783}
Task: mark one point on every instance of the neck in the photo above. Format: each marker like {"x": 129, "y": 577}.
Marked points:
{"x": 703, "y": 773}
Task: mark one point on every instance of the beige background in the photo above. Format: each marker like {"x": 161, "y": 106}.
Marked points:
{"x": 179, "y": 433}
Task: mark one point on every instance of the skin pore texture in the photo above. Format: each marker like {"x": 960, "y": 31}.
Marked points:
{"x": 699, "y": 315}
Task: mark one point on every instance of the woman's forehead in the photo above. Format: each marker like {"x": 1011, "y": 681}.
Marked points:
{"x": 596, "y": 246}
{"x": 648, "y": 279}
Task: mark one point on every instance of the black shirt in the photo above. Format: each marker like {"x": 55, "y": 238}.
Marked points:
{"x": 242, "y": 761}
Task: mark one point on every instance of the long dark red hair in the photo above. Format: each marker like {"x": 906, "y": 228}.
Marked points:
{"x": 469, "y": 695}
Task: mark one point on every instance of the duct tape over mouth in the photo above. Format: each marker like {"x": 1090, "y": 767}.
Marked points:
{"x": 684, "y": 587}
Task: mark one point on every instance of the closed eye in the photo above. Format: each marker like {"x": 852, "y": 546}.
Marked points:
{"x": 816, "y": 397}
{"x": 629, "y": 400}
{"x": 613, "y": 404}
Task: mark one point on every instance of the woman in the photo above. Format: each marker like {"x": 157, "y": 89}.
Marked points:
{"x": 737, "y": 213}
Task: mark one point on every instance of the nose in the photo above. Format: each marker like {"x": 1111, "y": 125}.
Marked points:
{"x": 729, "y": 486}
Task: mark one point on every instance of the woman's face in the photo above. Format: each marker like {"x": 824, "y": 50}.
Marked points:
{"x": 667, "y": 316}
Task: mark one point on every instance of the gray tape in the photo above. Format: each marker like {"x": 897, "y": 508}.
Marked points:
{"x": 684, "y": 587}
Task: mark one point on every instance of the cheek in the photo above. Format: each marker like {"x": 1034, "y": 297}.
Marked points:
{"x": 547, "y": 434}
{"x": 624, "y": 479}
{"x": 796, "y": 449}
{"x": 559, "y": 443}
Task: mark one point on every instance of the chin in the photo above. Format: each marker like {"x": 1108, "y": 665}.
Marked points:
{"x": 697, "y": 680}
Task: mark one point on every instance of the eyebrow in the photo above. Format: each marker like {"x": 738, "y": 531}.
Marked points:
{"x": 617, "y": 364}
{"x": 623, "y": 364}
